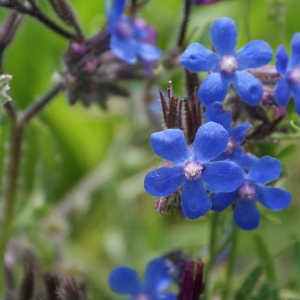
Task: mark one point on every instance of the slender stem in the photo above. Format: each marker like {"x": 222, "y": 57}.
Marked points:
{"x": 41, "y": 103}
{"x": 247, "y": 20}
{"x": 184, "y": 23}
{"x": 36, "y": 13}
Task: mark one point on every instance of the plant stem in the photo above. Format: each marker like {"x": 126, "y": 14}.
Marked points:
{"x": 184, "y": 23}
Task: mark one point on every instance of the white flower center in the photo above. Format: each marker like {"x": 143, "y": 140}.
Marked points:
{"x": 230, "y": 146}
{"x": 294, "y": 75}
{"x": 142, "y": 296}
{"x": 192, "y": 170}
{"x": 228, "y": 64}
{"x": 124, "y": 28}
{"x": 247, "y": 191}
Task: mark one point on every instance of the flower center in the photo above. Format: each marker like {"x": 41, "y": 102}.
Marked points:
{"x": 124, "y": 28}
{"x": 228, "y": 64}
{"x": 247, "y": 191}
{"x": 294, "y": 75}
{"x": 230, "y": 146}
{"x": 192, "y": 170}
{"x": 142, "y": 296}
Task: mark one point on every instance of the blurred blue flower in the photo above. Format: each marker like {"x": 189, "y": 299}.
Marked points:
{"x": 290, "y": 70}
{"x": 128, "y": 40}
{"x": 125, "y": 281}
{"x": 234, "y": 151}
{"x": 226, "y": 65}
{"x": 192, "y": 169}
{"x": 246, "y": 214}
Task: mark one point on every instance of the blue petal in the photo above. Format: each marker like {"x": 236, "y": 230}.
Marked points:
{"x": 213, "y": 88}
{"x": 295, "y": 57}
{"x": 122, "y": 48}
{"x": 147, "y": 51}
{"x": 220, "y": 201}
{"x": 217, "y": 113}
{"x": 265, "y": 170}
{"x": 253, "y": 55}
{"x": 273, "y": 198}
{"x": 282, "y": 60}
{"x": 168, "y": 296}
{"x": 238, "y": 133}
{"x": 245, "y": 160}
{"x": 222, "y": 176}
{"x": 296, "y": 93}
{"x": 210, "y": 141}
{"x": 224, "y": 36}
{"x": 248, "y": 87}
{"x": 194, "y": 199}
{"x": 156, "y": 277}
{"x": 170, "y": 144}
{"x": 246, "y": 215}
{"x": 164, "y": 181}
{"x": 282, "y": 93}
{"x": 125, "y": 281}
{"x": 114, "y": 13}
{"x": 197, "y": 58}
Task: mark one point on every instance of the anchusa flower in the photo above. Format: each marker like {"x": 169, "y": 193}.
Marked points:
{"x": 252, "y": 189}
{"x": 192, "y": 168}
{"x": 289, "y": 68}
{"x": 125, "y": 281}
{"x": 234, "y": 151}
{"x": 226, "y": 65}
{"x": 128, "y": 40}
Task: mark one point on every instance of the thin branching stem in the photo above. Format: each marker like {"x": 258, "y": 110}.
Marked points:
{"x": 184, "y": 23}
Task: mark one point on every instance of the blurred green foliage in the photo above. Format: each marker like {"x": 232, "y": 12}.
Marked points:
{"x": 82, "y": 208}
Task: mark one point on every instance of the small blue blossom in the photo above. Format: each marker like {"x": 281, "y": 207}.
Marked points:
{"x": 252, "y": 189}
{"x": 290, "y": 70}
{"x": 192, "y": 169}
{"x": 125, "y": 281}
{"x": 127, "y": 40}
{"x": 226, "y": 65}
{"x": 234, "y": 151}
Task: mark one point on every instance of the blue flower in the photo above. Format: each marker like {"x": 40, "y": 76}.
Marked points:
{"x": 290, "y": 70}
{"x": 127, "y": 40}
{"x": 226, "y": 65}
{"x": 192, "y": 169}
{"x": 246, "y": 214}
{"x": 125, "y": 281}
{"x": 234, "y": 151}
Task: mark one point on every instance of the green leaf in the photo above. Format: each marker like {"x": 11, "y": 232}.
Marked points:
{"x": 265, "y": 257}
{"x": 249, "y": 283}
{"x": 287, "y": 151}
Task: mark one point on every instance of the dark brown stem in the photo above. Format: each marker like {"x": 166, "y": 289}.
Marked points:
{"x": 184, "y": 23}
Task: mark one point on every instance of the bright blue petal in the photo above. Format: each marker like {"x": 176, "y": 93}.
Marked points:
{"x": 282, "y": 60}
{"x": 295, "y": 57}
{"x": 246, "y": 215}
{"x": 223, "y": 34}
{"x": 121, "y": 48}
{"x": 282, "y": 93}
{"x": 210, "y": 141}
{"x": 222, "y": 176}
{"x": 245, "y": 160}
{"x": 147, "y": 51}
{"x": 170, "y": 144}
{"x": 125, "y": 281}
{"x": 197, "y": 58}
{"x": 217, "y": 113}
{"x": 248, "y": 87}
{"x": 253, "y": 55}
{"x": 156, "y": 277}
{"x": 168, "y": 296}
{"x": 238, "y": 133}
{"x": 164, "y": 181}
{"x": 273, "y": 198}
{"x": 220, "y": 201}
{"x": 213, "y": 88}
{"x": 117, "y": 10}
{"x": 265, "y": 170}
{"x": 194, "y": 199}
{"x": 296, "y": 93}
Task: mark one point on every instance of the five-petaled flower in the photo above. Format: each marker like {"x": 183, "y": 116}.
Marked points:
{"x": 234, "y": 151}
{"x": 128, "y": 40}
{"x": 125, "y": 281}
{"x": 226, "y": 65}
{"x": 246, "y": 214}
{"x": 192, "y": 169}
{"x": 290, "y": 70}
